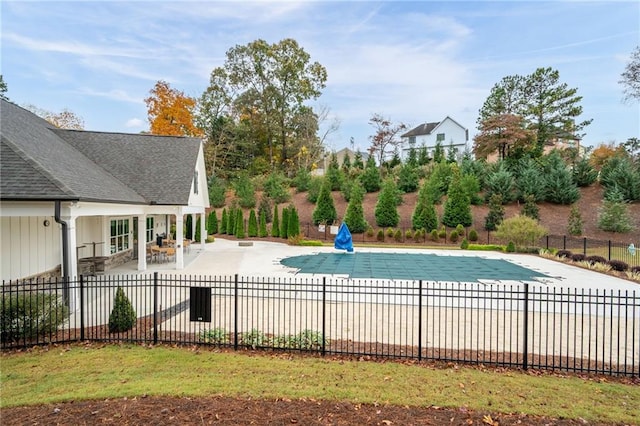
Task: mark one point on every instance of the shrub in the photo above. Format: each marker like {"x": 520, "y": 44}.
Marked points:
{"x": 595, "y": 259}
{"x": 473, "y": 235}
{"x": 465, "y": 244}
{"x": 314, "y": 189}
{"x": 245, "y": 191}
{"x": 389, "y": 232}
{"x": 435, "y": 235}
{"x": 442, "y": 233}
{"x": 511, "y": 247}
{"x": 564, "y": 253}
{"x": 26, "y": 316}
{"x": 398, "y": 235}
{"x": 486, "y": 247}
{"x": 578, "y": 257}
{"x": 453, "y": 236}
{"x": 370, "y": 231}
{"x": 253, "y": 339}
{"x": 618, "y": 265}
{"x": 386, "y": 210}
{"x": 495, "y": 216}
{"x": 408, "y": 234}
{"x": 123, "y": 316}
{"x": 302, "y": 181}
{"x": 460, "y": 230}
{"x": 215, "y": 336}
{"x": 307, "y": 340}
{"x": 380, "y": 236}
{"x": 253, "y": 224}
{"x": 276, "y": 187}
{"x": 635, "y": 269}
{"x": 217, "y": 192}
{"x": 575, "y": 221}
{"x": 522, "y": 230}
{"x": 419, "y": 234}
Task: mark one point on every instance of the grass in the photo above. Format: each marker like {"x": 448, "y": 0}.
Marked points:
{"x": 57, "y": 374}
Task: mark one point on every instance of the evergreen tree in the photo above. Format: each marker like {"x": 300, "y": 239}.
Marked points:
{"x": 423, "y": 156}
{"x": 276, "y": 187}
{"x": 123, "y": 316}
{"x": 346, "y": 164}
{"x": 452, "y": 154}
{"x": 212, "y": 223}
{"x": 386, "y": 210}
{"x": 231, "y": 220}
{"x": 253, "y": 224}
{"x": 302, "y": 180}
{"x": 495, "y": 216}
{"x": 500, "y": 182}
{"x": 293, "y": 228}
{"x": 188, "y": 228}
{"x": 614, "y": 215}
{"x": 357, "y": 160}
{"x": 412, "y": 158}
{"x": 370, "y": 178}
{"x": 239, "y": 225}
{"x": 198, "y": 233}
{"x": 223, "y": 222}
{"x": 354, "y": 217}
{"x": 284, "y": 223}
{"x": 424, "y": 214}
{"x": 334, "y": 174}
{"x": 438, "y": 153}
{"x": 575, "y": 221}
{"x": 262, "y": 229}
{"x": 471, "y": 187}
{"x": 266, "y": 208}
{"x": 559, "y": 185}
{"x": 440, "y": 178}
{"x": 619, "y": 174}
{"x": 583, "y": 173}
{"x": 457, "y": 209}
{"x": 275, "y": 225}
{"x": 530, "y": 208}
{"x": 245, "y": 191}
{"x": 530, "y": 180}
{"x": 325, "y": 211}
{"x": 408, "y": 180}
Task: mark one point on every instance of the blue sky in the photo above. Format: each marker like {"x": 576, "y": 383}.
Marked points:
{"x": 412, "y": 62}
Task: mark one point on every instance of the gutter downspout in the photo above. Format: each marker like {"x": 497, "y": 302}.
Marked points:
{"x": 65, "y": 251}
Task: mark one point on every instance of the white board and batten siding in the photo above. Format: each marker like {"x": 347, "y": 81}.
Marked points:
{"x": 28, "y": 247}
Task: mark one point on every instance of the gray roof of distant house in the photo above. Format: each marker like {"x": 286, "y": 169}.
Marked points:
{"x": 41, "y": 162}
{"x": 423, "y": 129}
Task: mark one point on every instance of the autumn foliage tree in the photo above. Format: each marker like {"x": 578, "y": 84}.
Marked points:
{"x": 64, "y": 119}
{"x": 504, "y": 134}
{"x": 171, "y": 112}
{"x": 385, "y": 141}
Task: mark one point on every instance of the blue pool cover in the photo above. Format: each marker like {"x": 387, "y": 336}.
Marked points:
{"x": 410, "y": 266}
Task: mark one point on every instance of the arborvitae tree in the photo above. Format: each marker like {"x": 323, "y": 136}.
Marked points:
{"x": 123, "y": 316}
{"x": 613, "y": 215}
{"x": 496, "y": 213}
{"x": 188, "y": 228}
{"x": 471, "y": 187}
{"x": 198, "y": 233}
{"x": 293, "y": 228}
{"x": 333, "y": 173}
{"x": 386, "y": 211}
{"x": 354, "y": 217}
{"x": 438, "y": 153}
{"x": 212, "y": 223}
{"x": 457, "y": 209}
{"x": 559, "y": 185}
{"x": 346, "y": 164}
{"x": 423, "y": 156}
{"x": 370, "y": 178}
{"x": 412, "y": 158}
{"x": 575, "y": 221}
{"x": 223, "y": 222}
{"x": 284, "y": 223}
{"x": 253, "y": 224}
{"x": 583, "y": 173}
{"x": 275, "y": 225}
{"x": 266, "y": 207}
{"x": 325, "y": 211}
{"x": 357, "y": 160}
{"x": 500, "y": 182}
{"x": 408, "y": 180}
{"x": 424, "y": 214}
{"x": 231, "y": 220}
{"x": 452, "y": 154}
{"x": 530, "y": 208}
{"x": 262, "y": 228}
{"x": 239, "y": 225}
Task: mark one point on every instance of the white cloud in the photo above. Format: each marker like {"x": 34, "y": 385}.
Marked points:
{"x": 135, "y": 123}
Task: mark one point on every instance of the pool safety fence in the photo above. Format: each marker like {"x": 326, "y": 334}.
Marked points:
{"x": 521, "y": 325}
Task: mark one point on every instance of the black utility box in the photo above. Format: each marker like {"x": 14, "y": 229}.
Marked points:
{"x": 200, "y": 304}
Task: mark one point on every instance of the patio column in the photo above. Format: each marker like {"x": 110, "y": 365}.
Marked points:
{"x": 142, "y": 242}
{"x": 74, "y": 296}
{"x": 193, "y": 226}
{"x": 179, "y": 241}
{"x": 203, "y": 230}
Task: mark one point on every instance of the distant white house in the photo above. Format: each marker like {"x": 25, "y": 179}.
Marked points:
{"x": 340, "y": 155}
{"x": 447, "y": 132}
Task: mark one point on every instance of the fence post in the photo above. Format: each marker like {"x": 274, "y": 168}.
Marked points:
{"x": 324, "y": 315}
{"x": 420, "y": 320}
{"x": 525, "y": 349}
{"x": 584, "y": 245}
{"x": 547, "y": 241}
{"x": 609, "y": 250}
{"x": 488, "y": 237}
{"x": 81, "y": 308}
{"x": 155, "y": 308}
{"x": 564, "y": 242}
{"x": 235, "y": 313}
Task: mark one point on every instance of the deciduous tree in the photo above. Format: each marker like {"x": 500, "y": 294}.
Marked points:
{"x": 171, "y": 112}
{"x": 386, "y": 139}
{"x": 631, "y": 77}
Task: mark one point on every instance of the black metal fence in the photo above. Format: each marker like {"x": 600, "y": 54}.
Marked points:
{"x": 608, "y": 249}
{"x": 520, "y": 325}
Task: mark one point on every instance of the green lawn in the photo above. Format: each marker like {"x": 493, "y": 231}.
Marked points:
{"x": 56, "y": 374}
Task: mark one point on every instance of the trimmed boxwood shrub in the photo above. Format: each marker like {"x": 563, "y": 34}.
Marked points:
{"x": 595, "y": 259}
{"x": 465, "y": 244}
{"x": 473, "y": 235}
{"x": 123, "y": 316}
{"x": 578, "y": 257}
{"x": 511, "y": 247}
{"x": 434, "y": 235}
{"x": 564, "y": 253}
{"x": 453, "y": 236}
{"x": 380, "y": 236}
{"x": 398, "y": 235}
{"x": 618, "y": 265}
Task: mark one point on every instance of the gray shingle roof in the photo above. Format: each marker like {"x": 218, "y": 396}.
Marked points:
{"x": 423, "y": 129}
{"x": 39, "y": 161}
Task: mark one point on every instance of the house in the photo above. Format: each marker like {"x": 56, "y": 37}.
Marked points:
{"x": 340, "y": 155}
{"x": 447, "y": 132}
{"x": 69, "y": 194}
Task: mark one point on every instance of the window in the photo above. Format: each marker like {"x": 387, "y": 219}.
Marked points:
{"x": 440, "y": 137}
{"x": 412, "y": 140}
{"x": 195, "y": 182}
{"x": 119, "y": 235}
{"x": 149, "y": 229}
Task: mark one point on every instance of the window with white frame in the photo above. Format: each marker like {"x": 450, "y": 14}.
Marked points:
{"x": 119, "y": 235}
{"x": 440, "y": 137}
{"x": 412, "y": 140}
{"x": 149, "y": 229}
